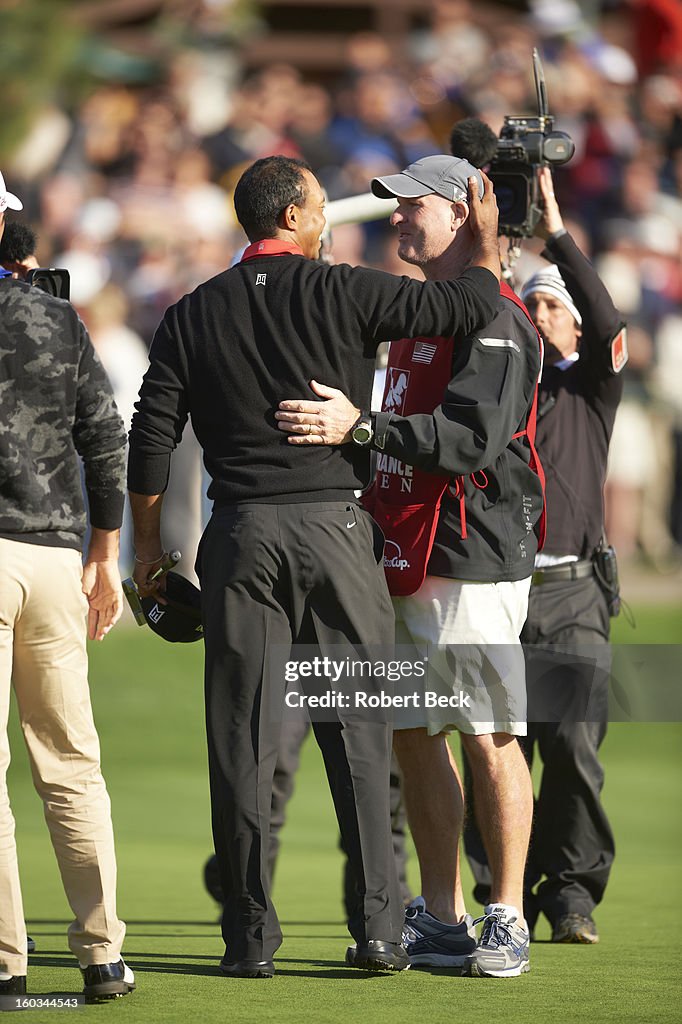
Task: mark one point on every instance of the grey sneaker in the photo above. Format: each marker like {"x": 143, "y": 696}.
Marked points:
{"x": 432, "y": 943}
{"x": 575, "y": 928}
{"x": 502, "y": 950}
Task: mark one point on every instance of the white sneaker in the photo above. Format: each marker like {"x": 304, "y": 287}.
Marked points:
{"x": 502, "y": 949}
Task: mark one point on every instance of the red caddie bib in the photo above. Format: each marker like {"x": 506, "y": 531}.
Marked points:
{"x": 404, "y": 500}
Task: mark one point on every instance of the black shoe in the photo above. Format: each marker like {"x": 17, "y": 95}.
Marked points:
{"x": 375, "y": 955}
{"x": 14, "y": 986}
{"x": 107, "y": 981}
{"x": 531, "y": 912}
{"x": 31, "y": 945}
{"x": 579, "y": 928}
{"x": 247, "y": 968}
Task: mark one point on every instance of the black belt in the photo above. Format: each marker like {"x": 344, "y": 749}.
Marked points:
{"x": 566, "y": 571}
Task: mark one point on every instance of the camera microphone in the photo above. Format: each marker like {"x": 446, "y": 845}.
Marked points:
{"x": 473, "y": 140}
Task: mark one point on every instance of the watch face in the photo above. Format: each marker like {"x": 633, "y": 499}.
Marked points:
{"x": 362, "y": 434}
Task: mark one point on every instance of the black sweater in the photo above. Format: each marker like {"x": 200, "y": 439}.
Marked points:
{"x": 577, "y": 411}
{"x": 229, "y": 352}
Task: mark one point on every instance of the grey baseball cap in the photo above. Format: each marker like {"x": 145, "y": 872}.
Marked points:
{"x": 447, "y": 176}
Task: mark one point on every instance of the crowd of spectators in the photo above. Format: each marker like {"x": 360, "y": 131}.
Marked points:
{"x": 131, "y": 191}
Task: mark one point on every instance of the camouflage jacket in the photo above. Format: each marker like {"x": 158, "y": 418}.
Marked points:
{"x": 55, "y": 404}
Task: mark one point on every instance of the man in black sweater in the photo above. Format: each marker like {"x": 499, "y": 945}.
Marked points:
{"x": 288, "y": 556}
{"x": 572, "y": 845}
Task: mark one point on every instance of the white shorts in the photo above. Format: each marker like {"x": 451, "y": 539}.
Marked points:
{"x": 470, "y": 634}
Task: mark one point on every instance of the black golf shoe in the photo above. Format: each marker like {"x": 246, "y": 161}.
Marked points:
{"x": 376, "y": 955}
{"x": 107, "y": 981}
{"x": 247, "y": 968}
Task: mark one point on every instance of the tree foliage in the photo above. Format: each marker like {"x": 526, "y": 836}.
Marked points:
{"x": 40, "y": 43}
{"x": 53, "y": 51}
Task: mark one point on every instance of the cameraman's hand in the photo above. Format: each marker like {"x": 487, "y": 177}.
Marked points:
{"x": 551, "y": 221}
{"x": 482, "y": 221}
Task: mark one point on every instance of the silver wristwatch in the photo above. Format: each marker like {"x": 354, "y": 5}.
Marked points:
{"x": 362, "y": 430}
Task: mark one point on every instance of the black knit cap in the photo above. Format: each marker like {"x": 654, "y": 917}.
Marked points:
{"x": 178, "y": 621}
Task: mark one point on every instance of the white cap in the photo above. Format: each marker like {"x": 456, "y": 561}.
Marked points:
{"x": 8, "y": 201}
{"x": 615, "y": 64}
{"x": 550, "y": 281}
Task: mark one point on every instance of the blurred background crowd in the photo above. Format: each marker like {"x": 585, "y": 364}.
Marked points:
{"x": 126, "y": 125}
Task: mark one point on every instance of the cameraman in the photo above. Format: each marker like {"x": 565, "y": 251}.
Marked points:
{"x": 56, "y": 403}
{"x": 581, "y": 387}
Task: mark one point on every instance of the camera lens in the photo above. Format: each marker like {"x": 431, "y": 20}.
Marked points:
{"x": 511, "y": 192}
{"x": 51, "y": 280}
{"x": 558, "y": 148}
{"x": 47, "y": 283}
{"x": 506, "y": 200}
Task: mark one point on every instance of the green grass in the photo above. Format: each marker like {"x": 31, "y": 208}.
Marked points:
{"x": 653, "y": 624}
{"x": 149, "y": 708}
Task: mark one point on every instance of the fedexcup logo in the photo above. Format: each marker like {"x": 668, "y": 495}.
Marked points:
{"x": 395, "y": 561}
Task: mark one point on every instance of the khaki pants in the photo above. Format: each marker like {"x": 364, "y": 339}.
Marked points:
{"x": 43, "y": 654}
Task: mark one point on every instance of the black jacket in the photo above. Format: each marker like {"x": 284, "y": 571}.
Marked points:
{"x": 56, "y": 403}
{"x": 577, "y": 411}
{"x": 232, "y": 350}
{"x": 494, "y": 375}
